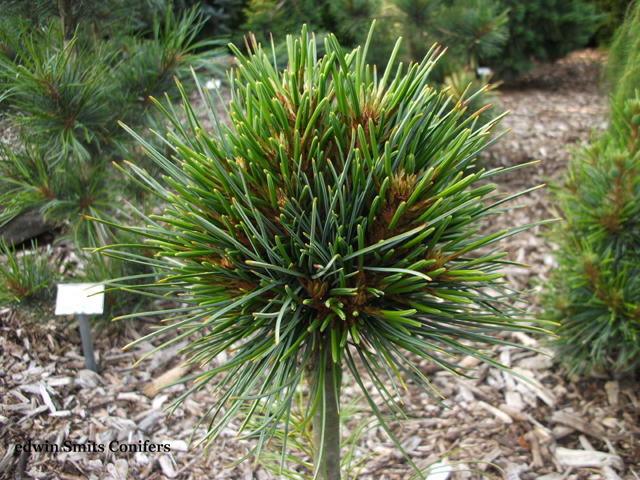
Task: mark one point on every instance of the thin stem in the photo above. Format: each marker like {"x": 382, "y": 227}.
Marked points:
{"x": 330, "y": 459}
{"x": 66, "y": 19}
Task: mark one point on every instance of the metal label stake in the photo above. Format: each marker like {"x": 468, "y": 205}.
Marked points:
{"x": 81, "y": 299}
{"x": 87, "y": 342}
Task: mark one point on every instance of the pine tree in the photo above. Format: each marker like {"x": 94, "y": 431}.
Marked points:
{"x": 472, "y": 30}
{"x": 334, "y": 221}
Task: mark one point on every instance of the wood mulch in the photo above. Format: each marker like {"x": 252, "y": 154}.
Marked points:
{"x": 493, "y": 423}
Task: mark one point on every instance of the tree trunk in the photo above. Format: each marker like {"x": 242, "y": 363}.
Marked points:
{"x": 330, "y": 461}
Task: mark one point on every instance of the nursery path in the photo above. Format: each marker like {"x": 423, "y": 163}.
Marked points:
{"x": 46, "y": 395}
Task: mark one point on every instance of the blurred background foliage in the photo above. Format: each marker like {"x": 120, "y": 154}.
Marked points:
{"x": 506, "y": 35}
{"x": 612, "y": 13}
{"x": 543, "y": 30}
{"x": 70, "y": 71}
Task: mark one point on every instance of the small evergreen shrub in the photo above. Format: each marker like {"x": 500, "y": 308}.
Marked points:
{"x": 97, "y": 18}
{"x": 471, "y": 30}
{"x": 352, "y": 20}
{"x": 334, "y": 221}
{"x": 595, "y": 293}
{"x": 544, "y": 30}
{"x": 26, "y": 278}
{"x": 504, "y": 34}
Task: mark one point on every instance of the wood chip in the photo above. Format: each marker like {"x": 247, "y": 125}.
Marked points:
{"x": 150, "y": 420}
{"x": 167, "y": 466}
{"x": 539, "y": 362}
{"x": 488, "y": 458}
{"x": 7, "y": 457}
{"x": 162, "y": 357}
{"x": 166, "y": 378}
{"x": 585, "y": 443}
{"x": 514, "y": 401}
{"x": 610, "y": 446}
{"x": 634, "y": 400}
{"x": 411, "y": 443}
{"x": 469, "y": 362}
{"x": 19, "y": 396}
{"x": 473, "y": 389}
{"x": 46, "y": 398}
{"x": 118, "y": 470}
{"x": 525, "y": 339}
{"x": 58, "y": 382}
{"x": 33, "y": 413}
{"x": 499, "y": 414}
{"x": 561, "y": 431}
{"x": 18, "y": 407}
{"x": 613, "y": 391}
{"x": 61, "y": 413}
{"x": 573, "y": 421}
{"x": 505, "y": 357}
{"x": 512, "y": 413}
{"x": 132, "y": 397}
{"x": 439, "y": 471}
{"x": 179, "y": 445}
{"x": 532, "y": 438}
{"x": 512, "y": 471}
{"x": 582, "y": 458}
{"x": 551, "y": 476}
{"x": 609, "y": 473}
{"x": 464, "y": 394}
{"x": 544, "y": 432}
{"x": 88, "y": 379}
{"x": 544, "y": 395}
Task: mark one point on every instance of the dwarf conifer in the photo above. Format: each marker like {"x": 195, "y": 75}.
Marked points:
{"x": 333, "y": 226}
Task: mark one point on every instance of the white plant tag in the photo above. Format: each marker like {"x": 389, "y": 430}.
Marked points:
{"x": 439, "y": 471}
{"x": 211, "y": 85}
{"x": 74, "y": 299}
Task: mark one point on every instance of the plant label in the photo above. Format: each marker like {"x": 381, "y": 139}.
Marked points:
{"x": 74, "y": 299}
